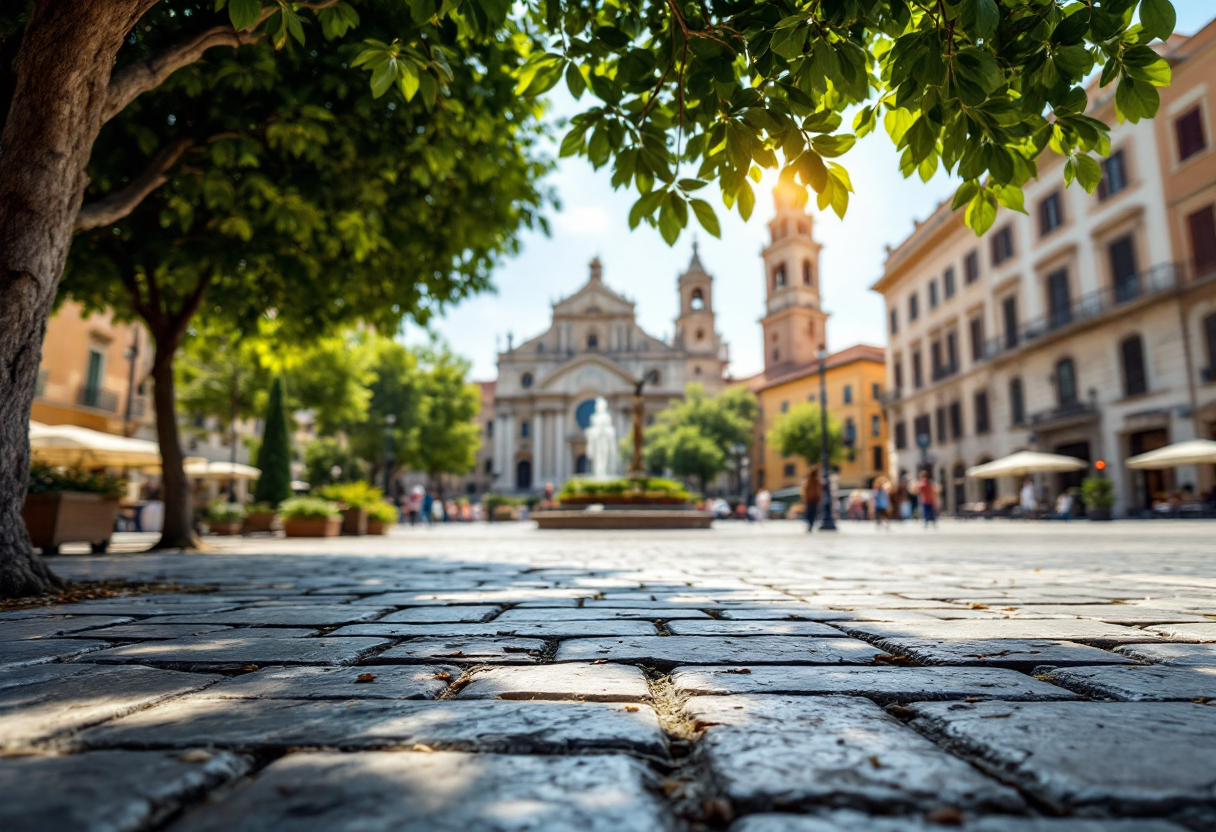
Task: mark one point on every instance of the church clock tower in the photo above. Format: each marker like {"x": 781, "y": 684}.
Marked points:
{"x": 695, "y": 332}
{"x": 794, "y": 325}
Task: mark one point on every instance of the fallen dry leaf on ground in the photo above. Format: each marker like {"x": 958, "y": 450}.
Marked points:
{"x": 366, "y": 677}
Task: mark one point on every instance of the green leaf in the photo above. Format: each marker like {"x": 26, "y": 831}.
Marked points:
{"x": 987, "y": 17}
{"x": 244, "y": 13}
{"x": 706, "y": 216}
{"x": 574, "y": 78}
{"x": 1158, "y": 18}
{"x": 644, "y": 207}
{"x": 832, "y": 146}
{"x": 1089, "y": 172}
{"x": 747, "y": 200}
{"x": 383, "y": 77}
{"x": 1011, "y": 197}
{"x": 692, "y": 184}
{"x": 963, "y": 195}
{"x": 407, "y": 79}
{"x": 981, "y": 212}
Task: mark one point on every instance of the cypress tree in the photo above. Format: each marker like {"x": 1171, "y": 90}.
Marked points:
{"x": 274, "y": 457}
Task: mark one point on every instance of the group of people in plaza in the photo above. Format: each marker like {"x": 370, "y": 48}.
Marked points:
{"x": 886, "y": 500}
{"x": 422, "y": 507}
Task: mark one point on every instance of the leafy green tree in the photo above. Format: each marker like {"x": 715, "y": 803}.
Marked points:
{"x": 446, "y": 439}
{"x": 274, "y": 457}
{"x": 799, "y": 433}
{"x": 395, "y": 391}
{"x": 980, "y": 87}
{"x": 725, "y": 420}
{"x": 688, "y": 452}
{"x": 327, "y": 453}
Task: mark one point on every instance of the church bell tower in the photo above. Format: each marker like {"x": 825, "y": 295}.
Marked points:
{"x": 794, "y": 325}
{"x": 695, "y": 326}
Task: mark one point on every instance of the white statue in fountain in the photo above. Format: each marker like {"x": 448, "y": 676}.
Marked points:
{"x": 601, "y": 443}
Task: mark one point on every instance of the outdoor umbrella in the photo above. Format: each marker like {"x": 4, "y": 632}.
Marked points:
{"x": 201, "y": 469}
{"x": 82, "y": 447}
{"x": 1026, "y": 462}
{"x": 1191, "y": 452}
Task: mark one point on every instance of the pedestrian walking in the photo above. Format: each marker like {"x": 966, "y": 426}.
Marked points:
{"x": 428, "y": 507}
{"x": 1028, "y": 500}
{"x": 1064, "y": 506}
{"x": 812, "y": 494}
{"x": 763, "y": 500}
{"x": 926, "y": 496}
{"x": 415, "y": 504}
{"x": 882, "y": 502}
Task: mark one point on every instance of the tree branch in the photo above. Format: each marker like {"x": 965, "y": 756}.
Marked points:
{"x": 115, "y": 205}
{"x": 133, "y": 80}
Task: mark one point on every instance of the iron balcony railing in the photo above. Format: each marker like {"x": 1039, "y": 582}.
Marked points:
{"x": 944, "y": 371}
{"x": 1063, "y": 413}
{"x": 98, "y": 397}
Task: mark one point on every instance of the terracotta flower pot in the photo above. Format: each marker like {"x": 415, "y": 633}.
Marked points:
{"x": 260, "y": 521}
{"x": 70, "y": 517}
{"x": 312, "y": 526}
{"x": 354, "y": 521}
{"x": 225, "y": 528}
{"x": 375, "y": 526}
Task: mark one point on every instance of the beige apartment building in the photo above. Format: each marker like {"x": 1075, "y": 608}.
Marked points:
{"x": 1087, "y": 327}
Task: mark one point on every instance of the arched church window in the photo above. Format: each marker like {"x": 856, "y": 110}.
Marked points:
{"x": 779, "y": 276}
{"x": 653, "y": 377}
{"x": 807, "y": 273}
{"x": 700, "y": 335}
{"x": 697, "y": 302}
{"x": 593, "y": 341}
{"x": 525, "y": 381}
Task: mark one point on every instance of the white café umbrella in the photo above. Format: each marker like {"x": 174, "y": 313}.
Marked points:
{"x": 1026, "y": 462}
{"x": 201, "y": 469}
{"x": 73, "y": 445}
{"x": 1191, "y": 452}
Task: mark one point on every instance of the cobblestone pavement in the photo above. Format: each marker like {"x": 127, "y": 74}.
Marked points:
{"x": 993, "y": 677}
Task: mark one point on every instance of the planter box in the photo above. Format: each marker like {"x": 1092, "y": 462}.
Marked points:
{"x": 623, "y": 500}
{"x": 262, "y": 521}
{"x": 225, "y": 528}
{"x": 354, "y": 521}
{"x": 69, "y": 517}
{"x": 312, "y": 526}
{"x": 375, "y": 526}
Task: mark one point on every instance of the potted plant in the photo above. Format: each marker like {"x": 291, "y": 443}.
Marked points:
{"x": 224, "y": 517}
{"x": 63, "y": 505}
{"x": 353, "y": 499}
{"x": 1098, "y": 493}
{"x": 260, "y": 517}
{"x": 381, "y": 517}
{"x": 310, "y": 517}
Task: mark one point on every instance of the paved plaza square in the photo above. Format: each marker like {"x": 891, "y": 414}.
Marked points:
{"x": 990, "y": 676}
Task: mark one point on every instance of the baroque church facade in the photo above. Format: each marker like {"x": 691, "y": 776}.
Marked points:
{"x": 547, "y": 386}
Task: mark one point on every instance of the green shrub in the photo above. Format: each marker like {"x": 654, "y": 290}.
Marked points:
{"x": 274, "y": 456}
{"x": 1098, "y": 492}
{"x": 382, "y": 511}
{"x": 259, "y": 508}
{"x": 222, "y": 511}
{"x": 47, "y": 480}
{"x": 308, "y": 508}
{"x": 353, "y": 494}
{"x": 641, "y": 487}
{"x": 493, "y": 501}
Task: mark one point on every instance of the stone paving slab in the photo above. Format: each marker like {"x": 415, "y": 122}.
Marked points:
{"x": 1016, "y": 654}
{"x": 1115, "y": 613}
{"x": 883, "y": 684}
{"x": 440, "y": 615}
{"x": 141, "y": 631}
{"x": 800, "y": 753}
{"x": 208, "y": 651}
{"x": 1113, "y": 757}
{"x": 760, "y": 628}
{"x": 1189, "y": 655}
{"x": 364, "y": 682}
{"x": 1094, "y": 633}
{"x": 668, "y": 651}
{"x": 521, "y": 629}
{"x": 40, "y": 651}
{"x": 54, "y": 625}
{"x": 847, "y": 821}
{"x": 1139, "y": 684}
{"x": 486, "y": 726}
{"x": 474, "y": 597}
{"x": 313, "y": 615}
{"x": 107, "y": 791}
{"x": 36, "y": 704}
{"x": 530, "y": 614}
{"x": 1187, "y": 632}
{"x": 440, "y": 792}
{"x": 466, "y": 650}
{"x": 785, "y": 612}
{"x": 586, "y": 682}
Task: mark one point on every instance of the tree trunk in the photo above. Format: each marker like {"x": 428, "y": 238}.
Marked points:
{"x": 178, "y": 531}
{"x": 62, "y": 72}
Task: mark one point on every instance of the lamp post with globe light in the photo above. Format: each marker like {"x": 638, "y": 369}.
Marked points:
{"x": 828, "y": 523}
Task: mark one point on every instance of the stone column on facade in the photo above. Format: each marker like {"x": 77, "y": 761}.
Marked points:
{"x": 559, "y": 448}
{"x": 508, "y": 451}
{"x": 538, "y": 450}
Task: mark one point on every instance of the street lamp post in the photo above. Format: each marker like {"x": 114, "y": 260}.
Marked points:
{"x": 828, "y": 523}
{"x": 389, "y": 421}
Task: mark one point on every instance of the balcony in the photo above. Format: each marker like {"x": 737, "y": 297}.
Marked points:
{"x": 944, "y": 371}
{"x": 98, "y": 398}
{"x": 890, "y": 397}
{"x": 1065, "y": 415}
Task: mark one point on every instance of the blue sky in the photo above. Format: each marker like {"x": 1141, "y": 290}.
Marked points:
{"x": 593, "y": 221}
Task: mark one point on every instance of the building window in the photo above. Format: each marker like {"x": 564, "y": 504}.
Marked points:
{"x": 490, "y": 429}
{"x": 848, "y": 394}
{"x": 894, "y": 321}
{"x": 933, "y": 293}
{"x": 935, "y": 360}
{"x": 1123, "y": 269}
{"x": 1059, "y": 299}
{"x": 525, "y": 429}
{"x": 956, "y": 420}
{"x": 808, "y": 273}
{"x": 1002, "y": 245}
{"x": 1066, "y": 382}
{"x": 875, "y": 425}
{"x": 941, "y": 425}
{"x": 952, "y": 352}
{"x": 971, "y": 266}
{"x": 875, "y": 390}
{"x": 976, "y": 325}
{"x": 948, "y": 282}
{"x": 1189, "y": 129}
{"x": 918, "y": 374}
{"x": 1135, "y": 379}
{"x": 593, "y": 341}
{"x": 489, "y": 467}
{"x": 913, "y": 307}
{"x": 779, "y": 276}
{"x": 525, "y": 381}
{"x": 788, "y": 470}
{"x": 1202, "y": 227}
{"x": 1114, "y": 175}
{"x": 697, "y": 302}
{"x": 1009, "y": 311}
{"x": 981, "y": 412}
{"x": 921, "y": 428}
{"x": 876, "y": 461}
{"x": 901, "y": 435}
{"x": 1017, "y": 405}
{"x": 898, "y": 367}
{"x": 1051, "y": 214}
{"x": 1209, "y": 332}
{"x": 850, "y": 435}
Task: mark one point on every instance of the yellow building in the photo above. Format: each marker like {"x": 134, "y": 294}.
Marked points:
{"x": 794, "y": 330}
{"x": 87, "y": 365}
